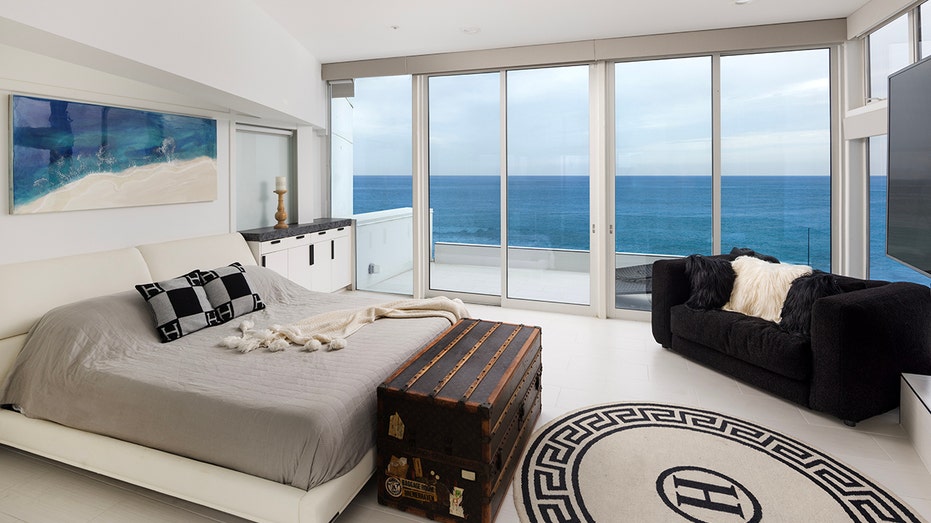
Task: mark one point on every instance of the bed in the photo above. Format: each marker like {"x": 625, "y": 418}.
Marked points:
{"x": 187, "y": 389}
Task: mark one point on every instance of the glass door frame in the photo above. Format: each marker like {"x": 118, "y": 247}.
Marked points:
{"x": 607, "y": 202}
{"x": 842, "y": 244}
{"x": 421, "y": 201}
{"x": 602, "y": 166}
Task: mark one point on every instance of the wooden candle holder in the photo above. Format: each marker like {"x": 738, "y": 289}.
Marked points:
{"x": 281, "y": 215}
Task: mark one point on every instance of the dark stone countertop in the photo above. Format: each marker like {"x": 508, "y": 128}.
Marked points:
{"x": 264, "y": 234}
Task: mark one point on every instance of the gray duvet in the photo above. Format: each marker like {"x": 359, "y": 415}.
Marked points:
{"x": 299, "y": 418}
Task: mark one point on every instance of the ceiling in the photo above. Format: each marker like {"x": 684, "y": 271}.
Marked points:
{"x": 346, "y": 30}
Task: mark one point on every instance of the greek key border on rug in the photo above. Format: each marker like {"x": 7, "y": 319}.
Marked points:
{"x": 551, "y": 464}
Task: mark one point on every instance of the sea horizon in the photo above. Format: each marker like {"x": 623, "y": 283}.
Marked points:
{"x": 667, "y": 215}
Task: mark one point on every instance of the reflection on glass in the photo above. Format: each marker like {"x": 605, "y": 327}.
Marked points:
{"x": 881, "y": 266}
{"x": 888, "y": 53}
{"x": 663, "y": 169}
{"x": 260, "y": 158}
{"x": 776, "y": 155}
{"x": 548, "y": 185}
{"x": 465, "y": 183}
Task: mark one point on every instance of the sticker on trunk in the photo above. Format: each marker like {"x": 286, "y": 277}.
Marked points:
{"x": 396, "y": 426}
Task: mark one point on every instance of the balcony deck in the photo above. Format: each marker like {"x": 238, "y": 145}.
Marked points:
{"x": 530, "y": 284}
{"x": 384, "y": 264}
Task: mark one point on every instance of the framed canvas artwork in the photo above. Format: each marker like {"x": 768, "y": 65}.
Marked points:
{"x": 69, "y": 156}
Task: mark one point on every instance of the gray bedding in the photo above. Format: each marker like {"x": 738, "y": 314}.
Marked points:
{"x": 299, "y": 418}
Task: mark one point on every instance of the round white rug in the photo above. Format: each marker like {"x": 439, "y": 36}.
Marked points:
{"x": 646, "y": 462}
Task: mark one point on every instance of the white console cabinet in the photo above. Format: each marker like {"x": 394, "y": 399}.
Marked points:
{"x": 915, "y": 413}
{"x": 319, "y": 259}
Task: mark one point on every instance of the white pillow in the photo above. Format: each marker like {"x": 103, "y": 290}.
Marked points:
{"x": 761, "y": 287}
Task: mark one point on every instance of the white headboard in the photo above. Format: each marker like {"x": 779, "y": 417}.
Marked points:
{"x": 30, "y": 289}
{"x": 173, "y": 258}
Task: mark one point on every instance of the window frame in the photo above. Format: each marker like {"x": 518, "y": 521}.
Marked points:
{"x": 603, "y": 164}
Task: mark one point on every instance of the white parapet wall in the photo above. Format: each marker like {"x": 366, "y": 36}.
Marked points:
{"x": 384, "y": 250}
{"x": 384, "y": 245}
{"x": 529, "y": 257}
{"x": 518, "y": 257}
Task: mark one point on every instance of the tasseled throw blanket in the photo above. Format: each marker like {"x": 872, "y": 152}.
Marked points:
{"x": 332, "y": 328}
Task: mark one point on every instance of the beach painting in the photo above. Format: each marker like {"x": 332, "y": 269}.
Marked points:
{"x": 69, "y": 156}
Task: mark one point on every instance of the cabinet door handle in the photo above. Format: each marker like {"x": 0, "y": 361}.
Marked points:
{"x": 301, "y": 237}
{"x": 311, "y": 251}
{"x": 340, "y": 229}
{"x": 332, "y": 249}
{"x": 275, "y": 242}
{"x": 263, "y": 260}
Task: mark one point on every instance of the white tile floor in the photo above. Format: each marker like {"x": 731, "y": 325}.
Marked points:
{"x": 586, "y": 361}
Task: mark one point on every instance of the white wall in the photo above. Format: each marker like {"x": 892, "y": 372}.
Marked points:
{"x": 37, "y": 236}
{"x": 226, "y": 50}
{"x": 225, "y": 59}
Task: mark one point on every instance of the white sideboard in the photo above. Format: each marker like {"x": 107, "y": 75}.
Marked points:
{"x": 915, "y": 413}
{"x": 317, "y": 255}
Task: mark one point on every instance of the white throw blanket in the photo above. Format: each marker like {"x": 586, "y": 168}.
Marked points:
{"x": 332, "y": 328}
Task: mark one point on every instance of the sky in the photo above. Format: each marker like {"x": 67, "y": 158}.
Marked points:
{"x": 775, "y": 117}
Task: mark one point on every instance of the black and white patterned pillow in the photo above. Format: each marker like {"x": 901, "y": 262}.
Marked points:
{"x": 180, "y": 305}
{"x": 230, "y": 292}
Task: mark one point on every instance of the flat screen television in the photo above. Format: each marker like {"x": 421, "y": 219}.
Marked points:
{"x": 908, "y": 182}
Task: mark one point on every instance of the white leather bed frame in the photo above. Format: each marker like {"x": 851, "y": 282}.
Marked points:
{"x": 30, "y": 289}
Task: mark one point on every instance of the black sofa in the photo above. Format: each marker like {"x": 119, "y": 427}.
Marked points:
{"x": 860, "y": 341}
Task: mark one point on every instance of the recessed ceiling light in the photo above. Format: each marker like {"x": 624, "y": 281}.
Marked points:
{"x": 394, "y": 27}
{"x": 742, "y": 2}
{"x": 471, "y": 30}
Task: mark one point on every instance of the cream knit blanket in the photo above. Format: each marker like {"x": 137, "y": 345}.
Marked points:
{"x": 332, "y": 328}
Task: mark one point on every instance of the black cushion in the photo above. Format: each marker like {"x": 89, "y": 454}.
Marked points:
{"x": 805, "y": 290}
{"x": 743, "y": 251}
{"x": 848, "y": 284}
{"x": 180, "y": 305}
{"x": 710, "y": 280}
{"x": 230, "y": 292}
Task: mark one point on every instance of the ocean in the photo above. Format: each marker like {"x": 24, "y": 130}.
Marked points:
{"x": 784, "y": 216}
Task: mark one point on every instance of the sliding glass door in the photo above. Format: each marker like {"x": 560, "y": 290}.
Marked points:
{"x": 371, "y": 180}
{"x": 768, "y": 189}
{"x": 776, "y": 155}
{"x": 540, "y": 117}
{"x": 663, "y": 167}
{"x": 521, "y": 169}
{"x": 548, "y": 207}
{"x": 465, "y": 183}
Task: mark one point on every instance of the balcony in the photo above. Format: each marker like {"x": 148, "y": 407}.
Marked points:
{"x": 384, "y": 263}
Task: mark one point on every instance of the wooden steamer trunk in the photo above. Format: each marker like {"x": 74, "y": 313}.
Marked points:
{"x": 453, "y": 421}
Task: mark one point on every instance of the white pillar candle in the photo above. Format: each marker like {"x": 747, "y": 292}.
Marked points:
{"x": 280, "y": 184}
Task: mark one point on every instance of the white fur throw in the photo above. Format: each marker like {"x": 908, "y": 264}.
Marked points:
{"x": 761, "y": 287}
{"x": 332, "y": 328}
